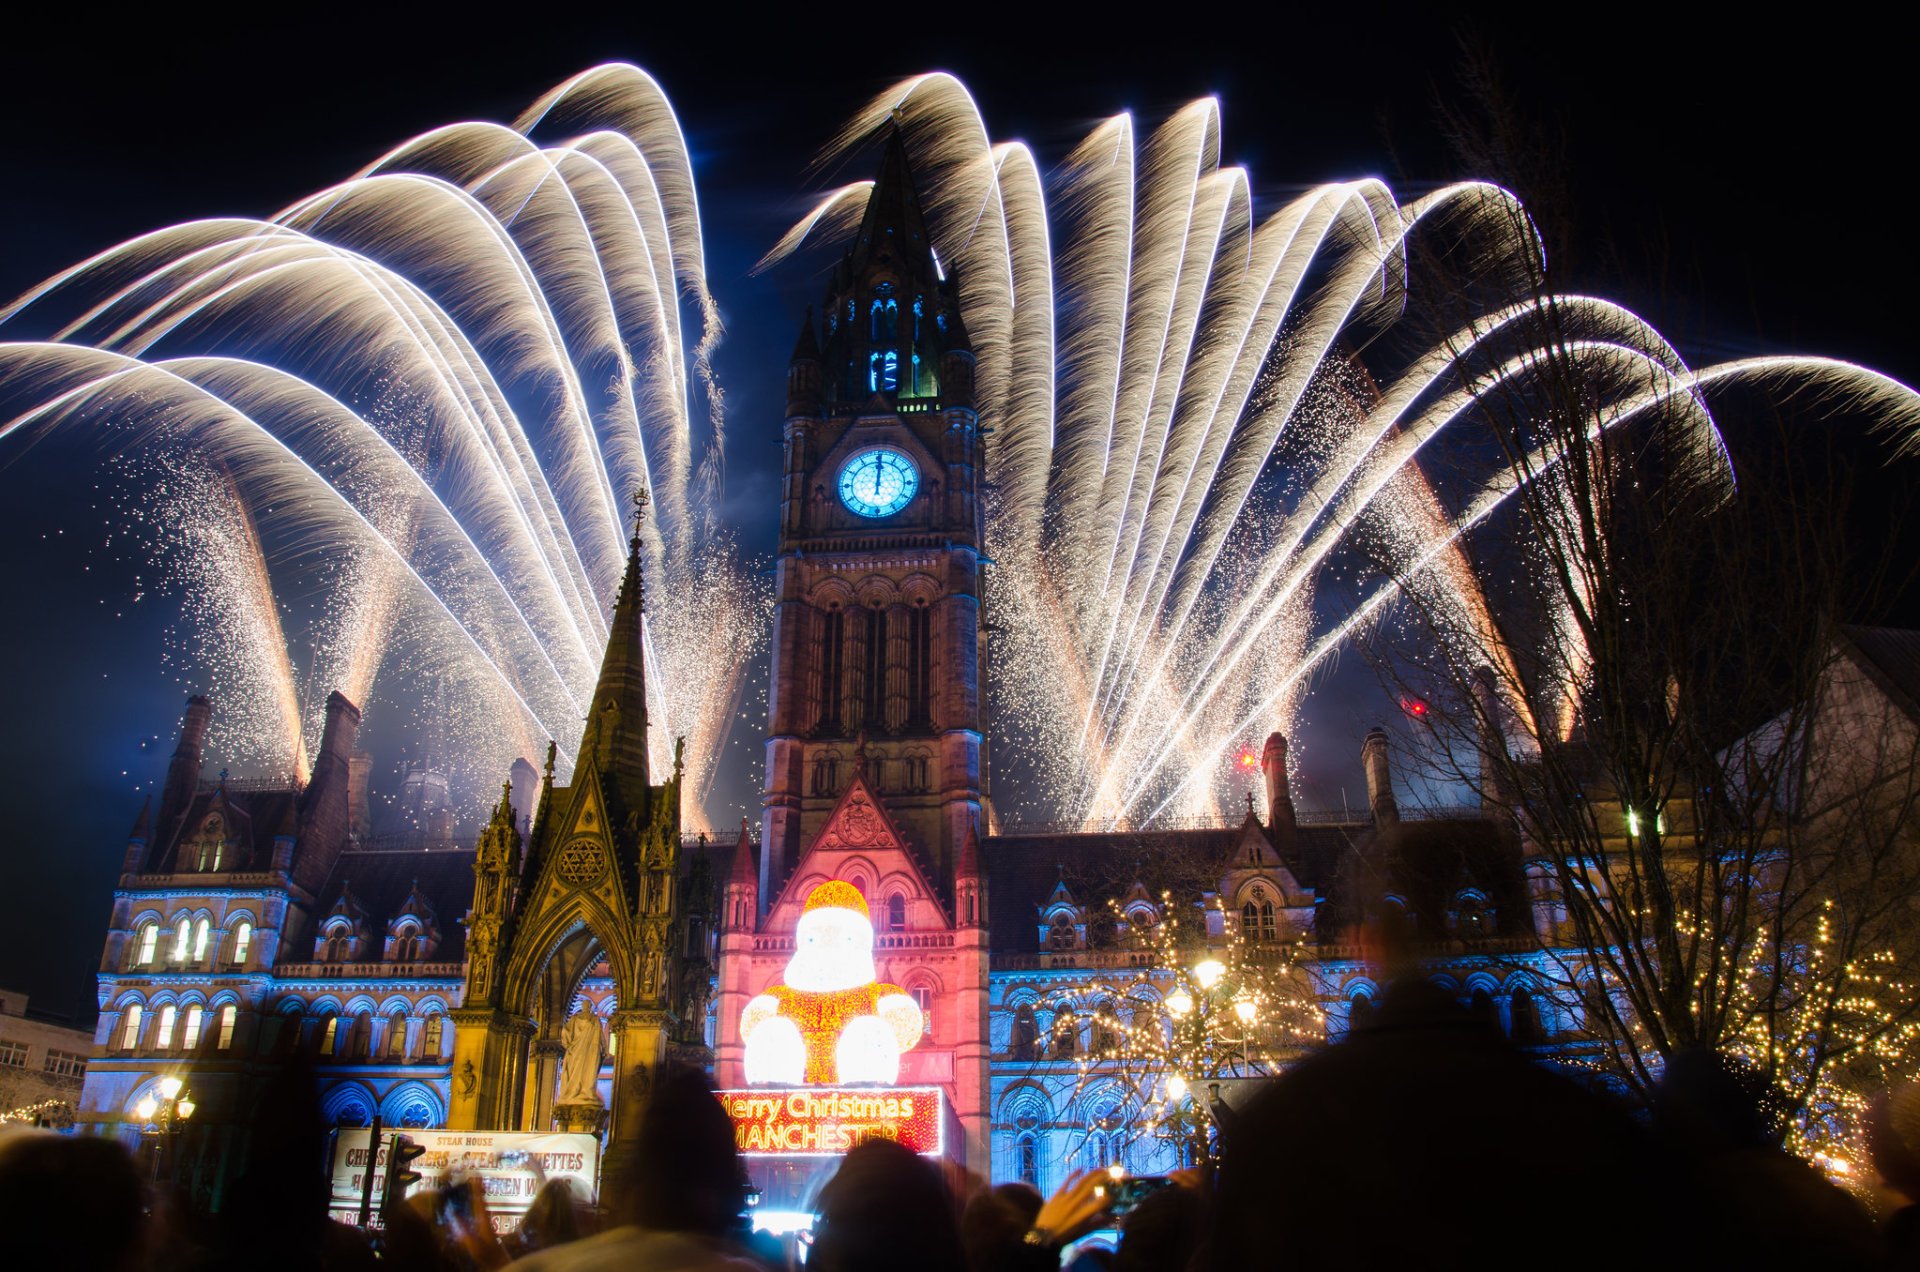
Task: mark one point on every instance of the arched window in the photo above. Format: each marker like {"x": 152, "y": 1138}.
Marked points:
{"x": 1026, "y": 1032}
{"x": 1027, "y": 1157}
{"x": 182, "y": 937}
{"x": 397, "y": 1036}
{"x": 1269, "y": 931}
{"x": 190, "y": 1036}
{"x": 229, "y": 1016}
{"x": 163, "y": 1035}
{"x": 1526, "y": 1018}
{"x": 1105, "y": 1041}
{"x": 1250, "y": 921}
{"x": 201, "y": 931}
{"x": 242, "y": 941}
{"x": 406, "y": 949}
{"x": 923, "y": 998}
{"x": 1481, "y": 1004}
{"x": 896, "y": 913}
{"x": 330, "y": 1036}
{"x": 1060, "y": 934}
{"x": 339, "y": 945}
{"x": 360, "y": 1037}
{"x": 130, "y": 1027}
{"x": 430, "y": 1045}
{"x": 886, "y": 317}
{"x": 416, "y": 1115}
{"x": 1066, "y": 1034}
{"x": 1359, "y": 1012}
{"x": 149, "y": 944}
{"x": 883, "y": 371}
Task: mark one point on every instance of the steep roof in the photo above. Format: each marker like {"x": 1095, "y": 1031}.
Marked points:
{"x": 252, "y": 814}
{"x": 382, "y": 881}
{"x": 1891, "y": 656}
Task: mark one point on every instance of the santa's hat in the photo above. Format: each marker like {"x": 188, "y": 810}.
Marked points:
{"x": 836, "y": 894}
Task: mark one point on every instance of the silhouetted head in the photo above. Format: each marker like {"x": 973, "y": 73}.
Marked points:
{"x": 684, "y": 1172}
{"x": 1161, "y": 1233}
{"x": 993, "y": 1228}
{"x": 69, "y": 1202}
{"x": 886, "y": 1208}
{"x": 552, "y": 1219}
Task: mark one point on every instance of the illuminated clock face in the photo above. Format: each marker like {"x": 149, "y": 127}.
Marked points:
{"x": 878, "y": 482}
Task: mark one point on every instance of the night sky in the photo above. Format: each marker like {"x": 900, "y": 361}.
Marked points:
{"x": 1737, "y": 186}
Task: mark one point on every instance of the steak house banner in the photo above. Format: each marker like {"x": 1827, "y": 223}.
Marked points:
{"x": 827, "y": 1121}
{"x": 511, "y": 1167}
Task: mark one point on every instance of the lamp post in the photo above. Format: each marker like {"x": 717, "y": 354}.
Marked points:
{"x": 1214, "y": 1032}
{"x": 162, "y": 1119}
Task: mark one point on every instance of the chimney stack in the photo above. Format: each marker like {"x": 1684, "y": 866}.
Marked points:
{"x": 1273, "y": 763}
{"x": 325, "y": 808}
{"x": 1491, "y": 719}
{"x": 1373, "y": 754}
{"x": 183, "y": 773}
{"x": 359, "y": 779}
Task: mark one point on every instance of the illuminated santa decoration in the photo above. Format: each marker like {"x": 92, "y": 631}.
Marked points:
{"x": 830, "y": 1022}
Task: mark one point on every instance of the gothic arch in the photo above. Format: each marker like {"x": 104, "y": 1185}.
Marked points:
{"x": 535, "y": 949}
{"x": 394, "y": 1107}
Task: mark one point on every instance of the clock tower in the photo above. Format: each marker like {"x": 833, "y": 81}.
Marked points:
{"x": 876, "y": 639}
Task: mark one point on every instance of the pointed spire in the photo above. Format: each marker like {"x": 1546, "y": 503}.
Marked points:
{"x": 745, "y": 872}
{"x": 616, "y": 732}
{"x": 807, "y": 347}
{"x": 893, "y": 232}
{"x": 968, "y": 866}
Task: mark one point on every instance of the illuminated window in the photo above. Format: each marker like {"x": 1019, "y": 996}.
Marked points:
{"x": 432, "y": 1046}
{"x": 330, "y": 1037}
{"x": 407, "y": 948}
{"x": 163, "y": 1034}
{"x": 896, "y": 913}
{"x": 1269, "y": 931}
{"x": 1250, "y": 921}
{"x": 397, "y": 1037}
{"x": 149, "y": 944}
{"x": 201, "y": 931}
{"x": 130, "y": 1028}
{"x": 923, "y": 997}
{"x": 190, "y": 1036}
{"x": 229, "y": 1016}
{"x": 1027, "y": 1154}
{"x": 242, "y": 941}
{"x": 883, "y": 371}
{"x": 182, "y": 936}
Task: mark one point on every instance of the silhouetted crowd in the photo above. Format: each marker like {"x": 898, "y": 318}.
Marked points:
{"x": 1423, "y": 1140}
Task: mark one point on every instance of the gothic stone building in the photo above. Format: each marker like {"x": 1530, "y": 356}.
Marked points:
{"x": 431, "y": 972}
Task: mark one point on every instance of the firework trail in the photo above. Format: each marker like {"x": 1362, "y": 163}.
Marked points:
{"x": 1183, "y": 444}
{"x": 440, "y": 380}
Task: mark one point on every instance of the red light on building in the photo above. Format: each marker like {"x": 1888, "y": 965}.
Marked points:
{"x": 1415, "y": 707}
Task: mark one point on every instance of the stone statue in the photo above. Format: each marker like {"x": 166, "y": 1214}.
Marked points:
{"x": 580, "y": 1066}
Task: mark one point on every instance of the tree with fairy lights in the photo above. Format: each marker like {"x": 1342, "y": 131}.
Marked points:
{"x": 1190, "y": 1005}
{"x": 1659, "y": 676}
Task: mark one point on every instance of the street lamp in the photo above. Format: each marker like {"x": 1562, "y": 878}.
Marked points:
{"x": 163, "y": 1118}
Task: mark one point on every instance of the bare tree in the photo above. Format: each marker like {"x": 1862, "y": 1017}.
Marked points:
{"x": 1643, "y": 660}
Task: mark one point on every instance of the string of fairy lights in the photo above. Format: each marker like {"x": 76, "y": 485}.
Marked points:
{"x": 1204, "y": 1003}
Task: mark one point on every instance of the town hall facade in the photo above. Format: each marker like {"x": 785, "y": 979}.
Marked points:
{"x": 432, "y": 973}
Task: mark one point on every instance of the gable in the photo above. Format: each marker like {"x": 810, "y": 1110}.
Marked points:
{"x": 861, "y": 844}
